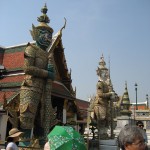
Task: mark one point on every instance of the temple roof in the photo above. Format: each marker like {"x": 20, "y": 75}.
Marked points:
{"x": 58, "y": 89}
{"x": 83, "y": 107}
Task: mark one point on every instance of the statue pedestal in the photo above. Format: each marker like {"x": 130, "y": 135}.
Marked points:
{"x": 103, "y": 145}
{"x": 103, "y": 133}
{"x": 93, "y": 145}
{"x": 121, "y": 122}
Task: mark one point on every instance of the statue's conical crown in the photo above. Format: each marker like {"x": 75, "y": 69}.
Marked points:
{"x": 102, "y": 63}
{"x": 44, "y": 19}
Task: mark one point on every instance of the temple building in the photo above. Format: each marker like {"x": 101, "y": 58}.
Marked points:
{"x": 140, "y": 105}
{"x": 68, "y": 108}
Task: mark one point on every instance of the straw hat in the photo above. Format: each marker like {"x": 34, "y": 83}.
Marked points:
{"x": 14, "y": 132}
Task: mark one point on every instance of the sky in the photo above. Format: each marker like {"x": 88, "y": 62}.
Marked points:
{"x": 118, "y": 29}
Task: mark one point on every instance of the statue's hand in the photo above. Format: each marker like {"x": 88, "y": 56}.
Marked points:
{"x": 51, "y": 71}
{"x": 50, "y": 67}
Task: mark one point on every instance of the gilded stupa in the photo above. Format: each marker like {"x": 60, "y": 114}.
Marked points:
{"x": 125, "y": 103}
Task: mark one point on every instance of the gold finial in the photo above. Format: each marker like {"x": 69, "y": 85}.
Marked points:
{"x": 44, "y": 19}
{"x": 64, "y": 24}
{"x": 60, "y": 31}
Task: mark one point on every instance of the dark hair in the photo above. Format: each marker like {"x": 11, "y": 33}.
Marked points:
{"x": 11, "y": 139}
{"x": 139, "y": 123}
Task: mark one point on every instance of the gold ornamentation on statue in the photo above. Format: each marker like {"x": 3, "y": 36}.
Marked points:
{"x": 34, "y": 32}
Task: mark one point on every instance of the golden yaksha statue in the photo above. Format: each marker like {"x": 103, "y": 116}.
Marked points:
{"x": 104, "y": 93}
{"x": 37, "y": 71}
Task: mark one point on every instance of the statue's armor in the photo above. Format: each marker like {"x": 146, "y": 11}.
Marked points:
{"x": 35, "y": 68}
{"x": 101, "y": 101}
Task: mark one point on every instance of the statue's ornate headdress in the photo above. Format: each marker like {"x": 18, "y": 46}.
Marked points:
{"x": 102, "y": 66}
{"x": 102, "y": 63}
{"x": 43, "y": 19}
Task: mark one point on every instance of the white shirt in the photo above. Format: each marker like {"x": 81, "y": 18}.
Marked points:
{"x": 12, "y": 145}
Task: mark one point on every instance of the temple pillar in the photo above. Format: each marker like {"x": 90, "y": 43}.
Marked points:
{"x": 3, "y": 126}
{"x": 65, "y": 112}
{"x": 75, "y": 119}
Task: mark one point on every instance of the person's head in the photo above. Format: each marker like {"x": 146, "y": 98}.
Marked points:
{"x": 131, "y": 138}
{"x": 14, "y": 135}
{"x": 140, "y": 124}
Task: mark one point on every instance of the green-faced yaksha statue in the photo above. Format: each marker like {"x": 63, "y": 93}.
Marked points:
{"x": 37, "y": 71}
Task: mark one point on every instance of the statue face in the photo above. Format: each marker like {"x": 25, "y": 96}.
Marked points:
{"x": 44, "y": 39}
{"x": 104, "y": 75}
